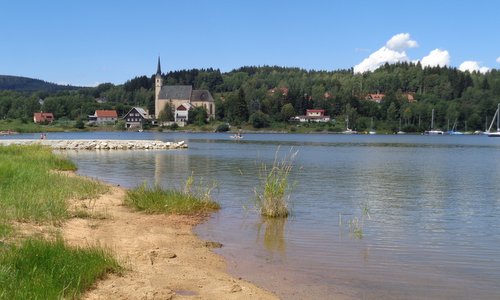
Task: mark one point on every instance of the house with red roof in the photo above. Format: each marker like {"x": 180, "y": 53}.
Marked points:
{"x": 43, "y": 117}
{"x": 103, "y": 117}
{"x": 375, "y": 97}
{"x": 182, "y": 113}
{"x": 312, "y": 115}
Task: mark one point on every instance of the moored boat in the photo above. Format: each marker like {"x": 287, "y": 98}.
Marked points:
{"x": 433, "y": 131}
{"x": 497, "y": 117}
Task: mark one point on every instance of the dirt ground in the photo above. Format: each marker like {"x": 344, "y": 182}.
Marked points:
{"x": 162, "y": 256}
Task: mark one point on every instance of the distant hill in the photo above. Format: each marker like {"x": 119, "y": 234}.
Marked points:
{"x": 24, "y": 84}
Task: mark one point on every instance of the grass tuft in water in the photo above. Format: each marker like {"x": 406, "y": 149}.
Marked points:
{"x": 41, "y": 269}
{"x": 356, "y": 225}
{"x": 191, "y": 200}
{"x": 273, "y": 194}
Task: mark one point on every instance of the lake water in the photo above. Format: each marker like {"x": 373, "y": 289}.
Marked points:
{"x": 428, "y": 208}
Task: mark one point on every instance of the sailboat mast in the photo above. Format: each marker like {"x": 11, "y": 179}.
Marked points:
{"x": 432, "y": 119}
{"x": 493, "y": 120}
{"x": 498, "y": 118}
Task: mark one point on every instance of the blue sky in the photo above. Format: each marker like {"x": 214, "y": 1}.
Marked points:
{"x": 90, "y": 42}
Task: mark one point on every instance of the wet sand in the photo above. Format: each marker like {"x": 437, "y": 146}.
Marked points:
{"x": 163, "y": 257}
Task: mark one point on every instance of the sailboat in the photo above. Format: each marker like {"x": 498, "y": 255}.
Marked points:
{"x": 453, "y": 130}
{"x": 372, "y": 131}
{"x": 400, "y": 131}
{"x": 433, "y": 131}
{"x": 496, "y": 116}
{"x": 348, "y": 130}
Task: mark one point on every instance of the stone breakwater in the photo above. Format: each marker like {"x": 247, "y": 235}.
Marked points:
{"x": 100, "y": 144}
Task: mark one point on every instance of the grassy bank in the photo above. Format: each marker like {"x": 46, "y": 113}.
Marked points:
{"x": 41, "y": 269}
{"x": 33, "y": 190}
{"x": 172, "y": 201}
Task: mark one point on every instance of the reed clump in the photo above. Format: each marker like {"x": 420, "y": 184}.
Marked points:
{"x": 356, "y": 225}
{"x": 273, "y": 194}
{"x": 49, "y": 269}
{"x": 192, "y": 200}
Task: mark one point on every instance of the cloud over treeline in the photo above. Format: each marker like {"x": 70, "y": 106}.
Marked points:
{"x": 394, "y": 51}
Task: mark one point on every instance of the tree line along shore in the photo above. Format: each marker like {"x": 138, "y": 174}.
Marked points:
{"x": 392, "y": 98}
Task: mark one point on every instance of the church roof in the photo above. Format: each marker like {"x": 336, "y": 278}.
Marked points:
{"x": 181, "y": 92}
{"x": 158, "y": 69}
{"x": 201, "y": 95}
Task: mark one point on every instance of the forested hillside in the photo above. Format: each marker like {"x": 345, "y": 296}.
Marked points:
{"x": 274, "y": 94}
{"x": 24, "y": 84}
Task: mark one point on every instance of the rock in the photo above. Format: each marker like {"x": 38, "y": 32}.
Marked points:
{"x": 236, "y": 288}
{"x": 213, "y": 245}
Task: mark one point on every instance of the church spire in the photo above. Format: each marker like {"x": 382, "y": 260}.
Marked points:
{"x": 158, "y": 70}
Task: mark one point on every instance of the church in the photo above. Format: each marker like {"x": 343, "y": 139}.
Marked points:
{"x": 181, "y": 98}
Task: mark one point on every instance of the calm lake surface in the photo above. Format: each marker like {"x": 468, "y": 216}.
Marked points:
{"x": 430, "y": 208}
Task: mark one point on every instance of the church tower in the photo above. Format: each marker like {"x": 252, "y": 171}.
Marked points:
{"x": 158, "y": 85}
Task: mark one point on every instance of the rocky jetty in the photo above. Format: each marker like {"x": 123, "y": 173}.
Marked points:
{"x": 99, "y": 144}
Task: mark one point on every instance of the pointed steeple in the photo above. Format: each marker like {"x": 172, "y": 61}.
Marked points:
{"x": 158, "y": 70}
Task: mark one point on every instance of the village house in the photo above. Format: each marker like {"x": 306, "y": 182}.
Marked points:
{"x": 182, "y": 113}
{"x": 180, "y": 95}
{"x": 313, "y": 115}
{"x": 282, "y": 90}
{"x": 42, "y": 117}
{"x": 101, "y": 117}
{"x": 410, "y": 97}
{"x": 378, "y": 97}
{"x": 136, "y": 118}
{"x": 375, "y": 97}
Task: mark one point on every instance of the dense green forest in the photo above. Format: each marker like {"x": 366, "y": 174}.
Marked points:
{"x": 25, "y": 84}
{"x": 268, "y": 95}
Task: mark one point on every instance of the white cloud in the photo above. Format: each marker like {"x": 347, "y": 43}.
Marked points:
{"x": 392, "y": 52}
{"x": 436, "y": 58}
{"x": 472, "y": 66}
{"x": 401, "y": 42}
{"x": 379, "y": 58}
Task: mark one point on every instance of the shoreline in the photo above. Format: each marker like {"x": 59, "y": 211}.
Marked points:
{"x": 162, "y": 255}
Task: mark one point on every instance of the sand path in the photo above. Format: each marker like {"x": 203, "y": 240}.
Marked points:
{"x": 162, "y": 256}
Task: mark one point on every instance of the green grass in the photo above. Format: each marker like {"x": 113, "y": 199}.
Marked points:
{"x": 5, "y": 229}
{"x": 30, "y": 190}
{"x": 272, "y": 196}
{"x": 40, "y": 269}
{"x": 171, "y": 201}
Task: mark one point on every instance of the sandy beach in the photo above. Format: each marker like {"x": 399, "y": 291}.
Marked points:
{"x": 163, "y": 258}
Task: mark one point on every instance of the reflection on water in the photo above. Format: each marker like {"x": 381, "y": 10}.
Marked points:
{"x": 434, "y": 205}
{"x": 271, "y": 233}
